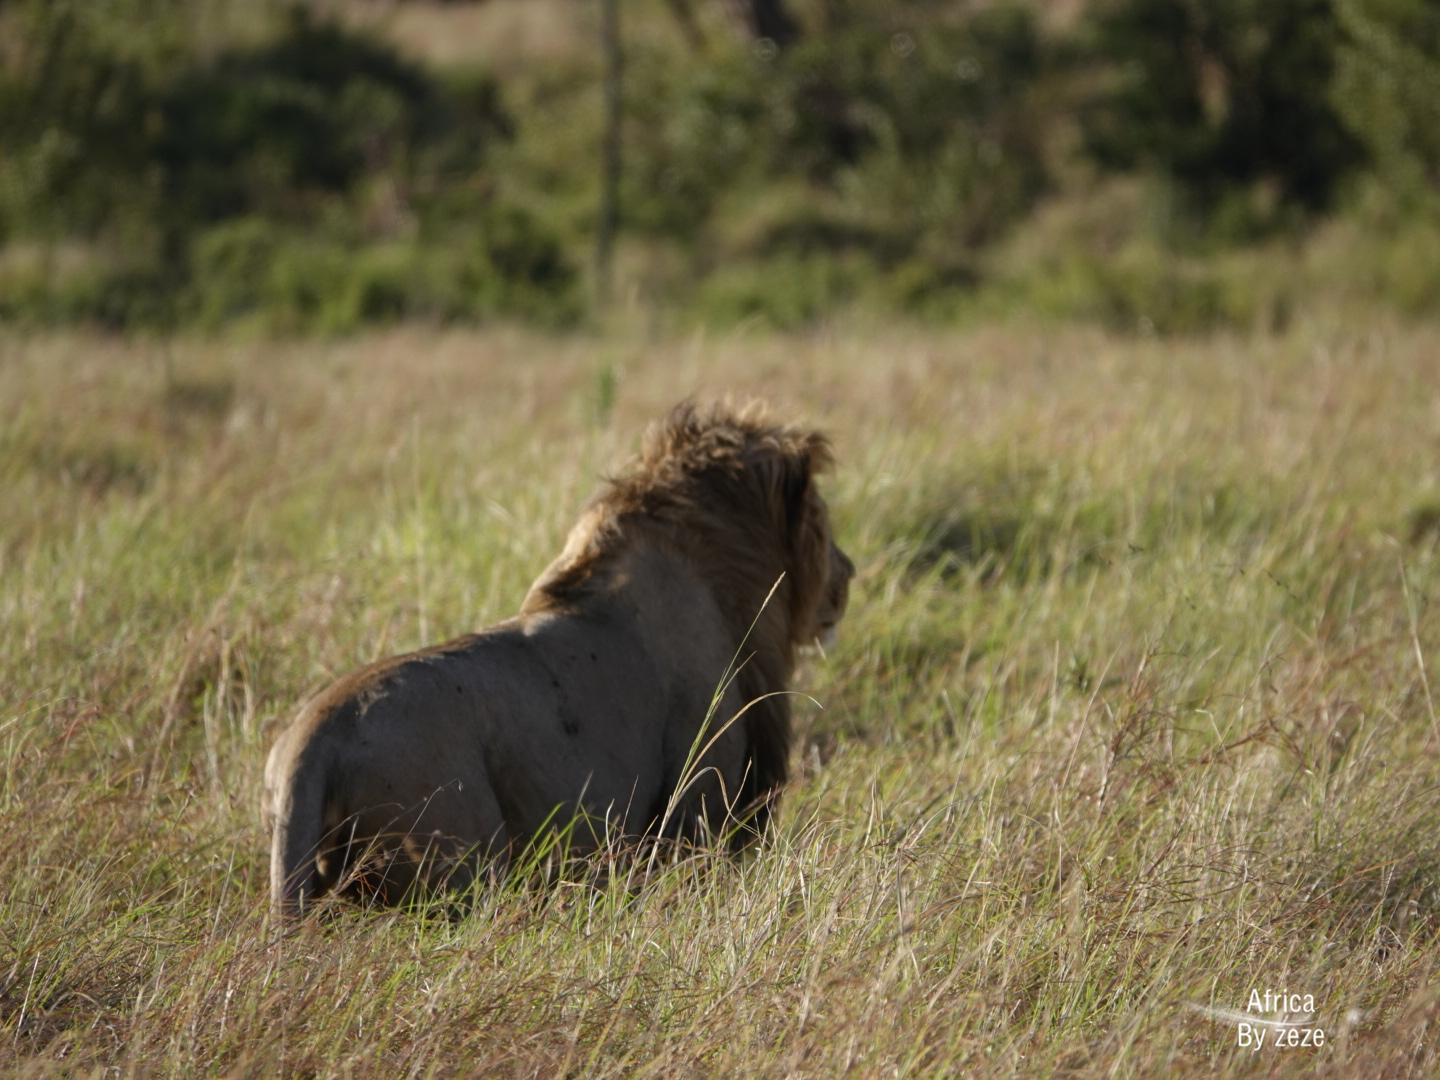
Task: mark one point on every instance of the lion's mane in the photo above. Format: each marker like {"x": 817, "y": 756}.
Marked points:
{"x": 715, "y": 483}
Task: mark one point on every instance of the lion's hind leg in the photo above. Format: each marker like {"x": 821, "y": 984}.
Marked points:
{"x": 444, "y": 845}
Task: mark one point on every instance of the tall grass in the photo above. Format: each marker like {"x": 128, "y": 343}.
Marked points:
{"x": 1133, "y": 711}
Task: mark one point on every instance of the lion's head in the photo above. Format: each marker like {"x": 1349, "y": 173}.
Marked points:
{"x": 736, "y": 495}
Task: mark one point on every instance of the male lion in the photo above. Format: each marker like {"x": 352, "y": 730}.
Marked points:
{"x": 604, "y": 705}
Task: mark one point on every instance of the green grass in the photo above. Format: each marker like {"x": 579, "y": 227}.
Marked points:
{"x": 1132, "y": 711}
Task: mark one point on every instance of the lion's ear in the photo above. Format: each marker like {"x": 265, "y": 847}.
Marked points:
{"x": 794, "y": 485}
{"x": 807, "y": 455}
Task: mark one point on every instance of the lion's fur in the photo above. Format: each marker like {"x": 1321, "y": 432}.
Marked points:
{"x": 590, "y": 700}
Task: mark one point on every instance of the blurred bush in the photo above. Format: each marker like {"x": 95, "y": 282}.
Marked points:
{"x": 218, "y": 163}
{"x": 1228, "y": 98}
{"x": 1387, "y": 88}
{"x": 294, "y": 173}
{"x": 885, "y": 146}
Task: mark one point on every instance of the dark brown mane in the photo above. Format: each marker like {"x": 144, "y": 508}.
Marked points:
{"x": 733, "y": 493}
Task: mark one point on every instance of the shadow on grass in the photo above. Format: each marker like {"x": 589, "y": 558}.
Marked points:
{"x": 989, "y": 526}
{"x": 1032, "y": 522}
{"x": 94, "y": 465}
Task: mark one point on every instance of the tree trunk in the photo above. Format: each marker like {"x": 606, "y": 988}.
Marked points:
{"x": 610, "y": 165}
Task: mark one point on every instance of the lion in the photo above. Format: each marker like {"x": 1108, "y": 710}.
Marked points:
{"x": 638, "y": 694}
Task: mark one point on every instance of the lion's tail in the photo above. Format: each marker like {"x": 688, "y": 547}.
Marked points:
{"x": 299, "y": 830}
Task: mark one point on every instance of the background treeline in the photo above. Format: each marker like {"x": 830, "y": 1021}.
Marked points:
{"x": 1157, "y": 164}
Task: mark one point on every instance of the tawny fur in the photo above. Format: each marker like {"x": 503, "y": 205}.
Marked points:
{"x": 423, "y": 771}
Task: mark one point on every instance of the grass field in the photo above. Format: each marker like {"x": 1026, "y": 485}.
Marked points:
{"x": 1132, "y": 714}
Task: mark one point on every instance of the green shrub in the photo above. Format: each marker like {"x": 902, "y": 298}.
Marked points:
{"x": 1145, "y": 287}
{"x": 907, "y": 137}
{"x": 785, "y": 292}
{"x": 254, "y": 272}
{"x": 1150, "y": 290}
{"x": 1222, "y": 96}
{"x": 78, "y": 101}
{"x": 1387, "y": 86}
{"x": 302, "y": 177}
{"x": 1382, "y": 256}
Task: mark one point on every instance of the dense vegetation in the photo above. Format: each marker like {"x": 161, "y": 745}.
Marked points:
{"x": 1131, "y": 717}
{"x": 305, "y": 175}
{"x": 1150, "y": 163}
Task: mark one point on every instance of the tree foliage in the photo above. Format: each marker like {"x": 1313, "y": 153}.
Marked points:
{"x": 118, "y": 126}
{"x": 217, "y": 161}
{"x": 1387, "y": 85}
{"x": 1222, "y": 94}
{"x": 925, "y": 132}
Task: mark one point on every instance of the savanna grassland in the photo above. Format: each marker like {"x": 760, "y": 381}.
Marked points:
{"x": 1132, "y": 714}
